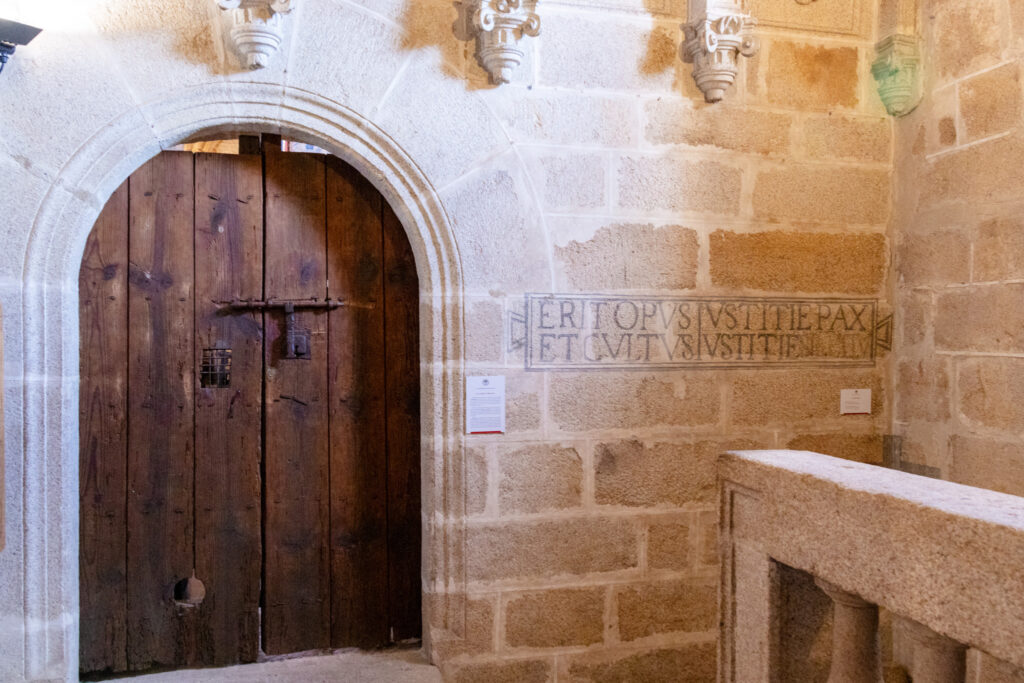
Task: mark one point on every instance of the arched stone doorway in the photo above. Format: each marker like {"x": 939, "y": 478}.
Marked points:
{"x": 50, "y": 338}
{"x": 249, "y": 415}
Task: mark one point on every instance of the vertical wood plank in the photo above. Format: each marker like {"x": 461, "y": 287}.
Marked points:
{"x": 358, "y": 439}
{"x": 229, "y": 266}
{"x": 160, "y": 411}
{"x": 103, "y": 438}
{"x": 401, "y": 325}
{"x": 297, "y": 572}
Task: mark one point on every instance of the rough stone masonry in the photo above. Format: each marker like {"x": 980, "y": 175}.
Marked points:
{"x": 580, "y": 545}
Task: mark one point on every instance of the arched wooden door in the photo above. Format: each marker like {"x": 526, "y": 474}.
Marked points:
{"x": 249, "y": 408}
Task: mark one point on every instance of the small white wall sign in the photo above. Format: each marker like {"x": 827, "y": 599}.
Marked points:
{"x": 485, "y": 405}
{"x": 855, "y": 402}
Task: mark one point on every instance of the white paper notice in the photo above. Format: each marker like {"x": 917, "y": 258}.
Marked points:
{"x": 855, "y": 402}
{"x": 485, "y": 405}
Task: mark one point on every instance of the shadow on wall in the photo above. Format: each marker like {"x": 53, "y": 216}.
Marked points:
{"x": 443, "y": 24}
{"x": 663, "y": 44}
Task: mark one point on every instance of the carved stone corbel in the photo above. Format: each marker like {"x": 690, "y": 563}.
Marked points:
{"x": 255, "y": 28}
{"x": 499, "y": 26}
{"x": 714, "y": 39}
{"x": 897, "y": 70}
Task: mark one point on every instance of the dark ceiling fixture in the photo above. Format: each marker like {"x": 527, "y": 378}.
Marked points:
{"x": 13, "y": 34}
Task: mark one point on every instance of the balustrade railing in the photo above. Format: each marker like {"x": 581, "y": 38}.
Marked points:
{"x": 946, "y": 560}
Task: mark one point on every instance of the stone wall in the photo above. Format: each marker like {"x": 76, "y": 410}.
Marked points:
{"x": 591, "y": 543}
{"x": 581, "y": 544}
{"x": 959, "y": 240}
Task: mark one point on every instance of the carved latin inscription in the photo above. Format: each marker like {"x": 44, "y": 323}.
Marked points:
{"x": 586, "y": 331}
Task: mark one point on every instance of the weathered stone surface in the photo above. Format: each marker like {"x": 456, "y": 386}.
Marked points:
{"x": 992, "y": 392}
{"x": 19, "y": 203}
{"x": 584, "y": 402}
{"x": 856, "y": 447}
{"x": 935, "y": 258}
{"x": 322, "y": 64}
{"x": 555, "y": 618}
{"x": 990, "y": 103}
{"x": 491, "y": 215}
{"x": 509, "y": 671}
{"x": 476, "y": 480}
{"x": 947, "y": 132}
{"x": 773, "y": 397}
{"x": 987, "y": 464}
{"x": 732, "y": 128}
{"x": 54, "y": 64}
{"x": 822, "y": 195}
{"x": 539, "y": 477}
{"x": 811, "y": 76}
{"x": 674, "y": 182}
{"x": 632, "y": 473}
{"x": 999, "y": 249}
{"x": 522, "y": 401}
{"x": 859, "y": 139}
{"x": 968, "y": 43}
{"x": 667, "y": 607}
{"x": 485, "y": 331}
{"x": 551, "y": 548}
{"x": 668, "y": 545}
{"x": 478, "y": 635}
{"x": 687, "y": 664}
{"x": 916, "y": 312}
{"x": 449, "y": 133}
{"x": 987, "y": 318}
{"x": 799, "y": 262}
{"x": 573, "y": 182}
{"x": 1017, "y": 19}
{"x": 616, "y": 55}
{"x": 966, "y": 175}
{"x": 924, "y": 389}
{"x": 632, "y": 256}
{"x": 566, "y": 117}
{"x": 709, "y": 533}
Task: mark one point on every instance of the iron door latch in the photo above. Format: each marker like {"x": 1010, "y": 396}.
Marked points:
{"x": 297, "y": 341}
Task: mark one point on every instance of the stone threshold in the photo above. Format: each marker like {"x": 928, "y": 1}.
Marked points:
{"x": 351, "y": 666}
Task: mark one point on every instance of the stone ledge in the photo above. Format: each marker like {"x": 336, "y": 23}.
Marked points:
{"x": 943, "y": 554}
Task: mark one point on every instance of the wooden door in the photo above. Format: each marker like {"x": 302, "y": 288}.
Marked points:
{"x": 221, "y": 477}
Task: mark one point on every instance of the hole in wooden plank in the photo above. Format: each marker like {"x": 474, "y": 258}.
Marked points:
{"x": 189, "y": 592}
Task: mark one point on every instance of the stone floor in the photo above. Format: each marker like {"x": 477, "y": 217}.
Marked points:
{"x": 392, "y": 666}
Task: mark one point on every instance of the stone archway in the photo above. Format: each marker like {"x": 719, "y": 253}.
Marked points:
{"x": 50, "y": 336}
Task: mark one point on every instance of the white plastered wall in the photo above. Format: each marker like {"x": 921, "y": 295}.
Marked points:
{"x": 106, "y": 87}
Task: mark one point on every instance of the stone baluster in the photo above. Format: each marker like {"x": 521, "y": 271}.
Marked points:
{"x": 937, "y": 659}
{"x": 856, "y": 657}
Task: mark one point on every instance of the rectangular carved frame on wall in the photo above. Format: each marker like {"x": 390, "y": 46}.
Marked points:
{"x": 835, "y": 17}
{"x": 609, "y": 332}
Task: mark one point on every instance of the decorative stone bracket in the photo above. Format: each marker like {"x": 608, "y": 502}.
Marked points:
{"x": 897, "y": 69}
{"x": 713, "y": 41}
{"x": 255, "y": 28}
{"x": 499, "y": 27}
